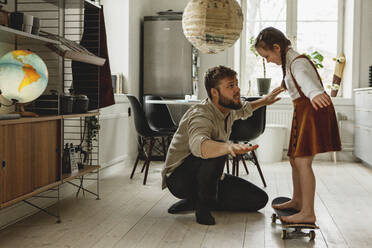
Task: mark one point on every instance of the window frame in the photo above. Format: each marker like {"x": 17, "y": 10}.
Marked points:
{"x": 291, "y": 33}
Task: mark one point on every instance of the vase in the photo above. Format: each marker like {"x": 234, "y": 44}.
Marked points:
{"x": 263, "y": 85}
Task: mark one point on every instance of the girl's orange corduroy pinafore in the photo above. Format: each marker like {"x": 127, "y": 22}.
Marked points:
{"x": 313, "y": 131}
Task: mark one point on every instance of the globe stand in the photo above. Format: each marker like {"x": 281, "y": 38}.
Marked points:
{"x": 19, "y": 109}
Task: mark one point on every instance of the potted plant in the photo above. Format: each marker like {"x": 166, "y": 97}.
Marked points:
{"x": 263, "y": 84}
{"x": 92, "y": 127}
{"x": 317, "y": 59}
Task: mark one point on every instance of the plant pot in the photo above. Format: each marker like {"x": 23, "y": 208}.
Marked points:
{"x": 263, "y": 85}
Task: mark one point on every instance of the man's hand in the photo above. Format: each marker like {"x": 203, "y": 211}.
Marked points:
{"x": 272, "y": 96}
{"x": 321, "y": 101}
{"x": 267, "y": 100}
{"x": 235, "y": 149}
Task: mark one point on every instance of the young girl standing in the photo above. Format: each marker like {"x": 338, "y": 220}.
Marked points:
{"x": 314, "y": 125}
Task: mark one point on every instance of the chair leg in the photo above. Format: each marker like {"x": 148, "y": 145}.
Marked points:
{"x": 259, "y": 168}
{"x": 233, "y": 166}
{"x": 164, "y": 150}
{"x": 227, "y": 164}
{"x": 334, "y": 157}
{"x": 237, "y": 165}
{"x": 245, "y": 166}
{"x": 143, "y": 167}
{"x": 138, "y": 157}
{"x": 144, "y": 164}
{"x": 148, "y": 160}
{"x": 135, "y": 166}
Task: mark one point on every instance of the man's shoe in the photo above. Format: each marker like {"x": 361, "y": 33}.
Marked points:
{"x": 182, "y": 206}
{"x": 204, "y": 217}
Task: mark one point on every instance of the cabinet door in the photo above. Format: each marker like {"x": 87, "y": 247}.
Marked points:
{"x": 16, "y": 156}
{"x": 362, "y": 147}
{"x": 368, "y": 100}
{"x": 45, "y": 154}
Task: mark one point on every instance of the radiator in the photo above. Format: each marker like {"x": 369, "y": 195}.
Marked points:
{"x": 279, "y": 117}
{"x": 283, "y": 118}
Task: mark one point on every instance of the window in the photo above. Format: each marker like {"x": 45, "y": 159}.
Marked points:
{"x": 310, "y": 25}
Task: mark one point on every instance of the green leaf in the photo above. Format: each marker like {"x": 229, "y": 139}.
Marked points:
{"x": 317, "y": 58}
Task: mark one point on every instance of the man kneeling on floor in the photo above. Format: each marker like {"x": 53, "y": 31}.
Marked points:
{"x": 196, "y": 157}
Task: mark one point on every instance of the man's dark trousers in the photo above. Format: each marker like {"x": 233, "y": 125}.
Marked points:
{"x": 199, "y": 180}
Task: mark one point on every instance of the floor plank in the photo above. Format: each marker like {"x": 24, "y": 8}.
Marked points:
{"x": 132, "y": 215}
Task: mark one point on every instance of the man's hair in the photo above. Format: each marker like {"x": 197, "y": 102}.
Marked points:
{"x": 214, "y": 75}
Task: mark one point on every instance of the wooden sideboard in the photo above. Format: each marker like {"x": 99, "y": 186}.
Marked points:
{"x": 363, "y": 124}
{"x": 31, "y": 157}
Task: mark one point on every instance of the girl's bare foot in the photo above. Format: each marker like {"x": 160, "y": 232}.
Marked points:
{"x": 300, "y": 217}
{"x": 293, "y": 204}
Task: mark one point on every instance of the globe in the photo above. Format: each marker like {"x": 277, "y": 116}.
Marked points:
{"x": 23, "y": 76}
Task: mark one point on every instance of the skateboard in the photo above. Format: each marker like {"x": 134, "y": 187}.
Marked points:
{"x": 337, "y": 76}
{"x": 286, "y": 227}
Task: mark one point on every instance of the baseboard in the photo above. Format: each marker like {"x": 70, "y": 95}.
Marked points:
{"x": 115, "y": 161}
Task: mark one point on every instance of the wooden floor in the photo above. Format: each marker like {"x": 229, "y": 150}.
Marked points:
{"x": 132, "y": 215}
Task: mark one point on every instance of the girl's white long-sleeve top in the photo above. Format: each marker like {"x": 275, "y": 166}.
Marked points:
{"x": 305, "y": 76}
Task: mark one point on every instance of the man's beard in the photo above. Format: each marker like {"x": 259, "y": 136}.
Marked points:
{"x": 228, "y": 103}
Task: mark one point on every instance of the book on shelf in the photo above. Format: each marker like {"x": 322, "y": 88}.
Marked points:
{"x": 120, "y": 81}
{"x": 117, "y": 83}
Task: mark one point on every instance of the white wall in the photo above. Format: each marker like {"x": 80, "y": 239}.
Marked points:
{"x": 117, "y": 134}
{"x": 117, "y": 26}
{"x": 139, "y": 9}
{"x": 357, "y": 45}
{"x": 365, "y": 42}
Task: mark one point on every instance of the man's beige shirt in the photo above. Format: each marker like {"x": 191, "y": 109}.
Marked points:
{"x": 201, "y": 122}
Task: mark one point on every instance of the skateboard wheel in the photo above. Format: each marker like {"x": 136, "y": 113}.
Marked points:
{"x": 284, "y": 234}
{"x": 312, "y": 235}
{"x": 273, "y": 218}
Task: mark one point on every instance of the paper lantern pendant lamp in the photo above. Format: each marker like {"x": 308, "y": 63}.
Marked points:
{"x": 212, "y": 25}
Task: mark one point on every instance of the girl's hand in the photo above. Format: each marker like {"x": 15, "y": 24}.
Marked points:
{"x": 321, "y": 101}
{"x": 272, "y": 96}
{"x": 240, "y": 148}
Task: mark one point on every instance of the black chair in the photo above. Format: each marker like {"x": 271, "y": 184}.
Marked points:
{"x": 245, "y": 131}
{"x": 158, "y": 115}
{"x": 159, "y": 119}
{"x": 146, "y": 133}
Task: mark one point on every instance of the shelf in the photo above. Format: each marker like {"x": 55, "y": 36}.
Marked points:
{"x": 8, "y": 35}
{"x": 80, "y": 115}
{"x": 87, "y": 169}
{"x": 29, "y": 119}
{"x": 25, "y": 196}
{"x": 81, "y": 56}
{"x": 46, "y": 118}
